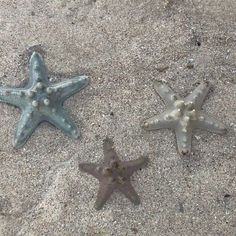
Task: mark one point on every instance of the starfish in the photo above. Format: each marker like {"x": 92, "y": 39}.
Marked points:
{"x": 114, "y": 174}
{"x": 183, "y": 115}
{"x": 42, "y": 101}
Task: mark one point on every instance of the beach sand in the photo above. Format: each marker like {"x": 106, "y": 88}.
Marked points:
{"x": 123, "y": 46}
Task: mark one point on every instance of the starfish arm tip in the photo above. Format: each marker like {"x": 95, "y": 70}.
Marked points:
{"x": 223, "y": 130}
{"x": 34, "y": 54}
{"x": 12, "y": 96}
{"x": 129, "y": 191}
{"x": 35, "y": 58}
{"x": 158, "y": 83}
{"x": 184, "y": 151}
{"x": 211, "y": 124}
{"x": 103, "y": 195}
{"x": 145, "y": 160}
{"x": 108, "y": 143}
{"x": 76, "y": 134}
{"x": 98, "y": 205}
{"x": 134, "y": 198}
{"x": 184, "y": 148}
{"x": 83, "y": 167}
{"x": 165, "y": 92}
{"x": 83, "y": 79}
{"x": 184, "y": 140}
{"x": 141, "y": 162}
{"x": 90, "y": 168}
{"x": 137, "y": 201}
{"x": 86, "y": 79}
{"x": 146, "y": 124}
{"x": 17, "y": 143}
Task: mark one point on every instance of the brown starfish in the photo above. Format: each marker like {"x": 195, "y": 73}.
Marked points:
{"x": 114, "y": 174}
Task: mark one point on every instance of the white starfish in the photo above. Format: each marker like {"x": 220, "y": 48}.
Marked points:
{"x": 183, "y": 115}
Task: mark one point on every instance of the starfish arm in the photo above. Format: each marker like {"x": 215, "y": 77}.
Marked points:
{"x": 104, "y": 193}
{"x": 128, "y": 190}
{"x": 109, "y": 151}
{"x": 135, "y": 165}
{"x": 13, "y": 96}
{"x": 61, "y": 119}
{"x": 199, "y": 94}
{"x": 69, "y": 87}
{"x": 28, "y": 123}
{"x": 37, "y": 69}
{"x": 211, "y": 124}
{"x": 184, "y": 140}
{"x": 162, "y": 121}
{"x": 90, "y": 168}
{"x": 165, "y": 92}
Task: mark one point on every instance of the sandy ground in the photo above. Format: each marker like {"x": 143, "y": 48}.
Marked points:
{"x": 123, "y": 46}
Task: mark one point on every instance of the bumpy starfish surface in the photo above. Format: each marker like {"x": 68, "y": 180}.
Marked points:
{"x": 41, "y": 101}
{"x": 114, "y": 174}
{"x": 183, "y": 115}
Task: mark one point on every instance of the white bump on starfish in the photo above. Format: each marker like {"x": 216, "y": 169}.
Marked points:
{"x": 184, "y": 145}
{"x": 35, "y": 103}
{"x": 30, "y": 94}
{"x": 184, "y": 130}
{"x": 75, "y": 133}
{"x": 39, "y": 85}
{"x": 175, "y": 114}
{"x": 167, "y": 117}
{"x": 186, "y": 118}
{"x": 173, "y": 97}
{"x": 201, "y": 118}
{"x": 36, "y": 67}
{"x": 146, "y": 124}
{"x": 210, "y": 122}
{"x": 49, "y": 90}
{"x": 193, "y": 114}
{"x": 46, "y": 102}
{"x": 29, "y": 115}
{"x": 183, "y": 115}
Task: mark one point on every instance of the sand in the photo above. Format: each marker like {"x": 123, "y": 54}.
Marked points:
{"x": 123, "y": 46}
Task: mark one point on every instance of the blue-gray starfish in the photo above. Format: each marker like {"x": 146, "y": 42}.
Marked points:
{"x": 183, "y": 115}
{"x": 41, "y": 101}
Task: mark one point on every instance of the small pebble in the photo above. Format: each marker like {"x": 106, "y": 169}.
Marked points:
{"x": 190, "y": 64}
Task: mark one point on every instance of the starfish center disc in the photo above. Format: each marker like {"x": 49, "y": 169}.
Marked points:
{"x": 116, "y": 173}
